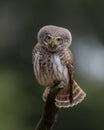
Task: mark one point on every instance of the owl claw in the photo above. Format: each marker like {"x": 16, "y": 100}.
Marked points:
{"x": 61, "y": 85}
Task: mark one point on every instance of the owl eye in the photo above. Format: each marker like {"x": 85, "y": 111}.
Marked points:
{"x": 59, "y": 40}
{"x": 48, "y": 38}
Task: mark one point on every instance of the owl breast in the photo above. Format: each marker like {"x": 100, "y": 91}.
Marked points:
{"x": 49, "y": 69}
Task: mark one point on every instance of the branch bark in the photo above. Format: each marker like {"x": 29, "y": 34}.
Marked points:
{"x": 50, "y": 112}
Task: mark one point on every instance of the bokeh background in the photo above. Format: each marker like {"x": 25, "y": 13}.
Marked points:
{"x": 20, "y": 94}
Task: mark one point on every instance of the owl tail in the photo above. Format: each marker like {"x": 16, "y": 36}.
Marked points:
{"x": 63, "y": 98}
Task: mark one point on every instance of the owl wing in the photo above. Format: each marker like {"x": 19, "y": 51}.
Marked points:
{"x": 72, "y": 94}
{"x": 76, "y": 94}
{"x": 36, "y": 50}
{"x": 71, "y": 74}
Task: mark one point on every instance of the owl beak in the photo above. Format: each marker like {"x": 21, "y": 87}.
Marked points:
{"x": 52, "y": 44}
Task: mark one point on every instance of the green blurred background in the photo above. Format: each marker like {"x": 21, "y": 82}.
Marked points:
{"x": 20, "y": 94}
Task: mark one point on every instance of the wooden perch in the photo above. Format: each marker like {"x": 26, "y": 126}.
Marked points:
{"x": 50, "y": 112}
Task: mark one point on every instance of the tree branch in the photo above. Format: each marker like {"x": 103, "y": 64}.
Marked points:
{"x": 50, "y": 112}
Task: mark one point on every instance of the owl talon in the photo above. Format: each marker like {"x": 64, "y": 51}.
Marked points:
{"x": 61, "y": 85}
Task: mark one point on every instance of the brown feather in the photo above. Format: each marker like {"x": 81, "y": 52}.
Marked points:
{"x": 67, "y": 57}
{"x": 50, "y": 68}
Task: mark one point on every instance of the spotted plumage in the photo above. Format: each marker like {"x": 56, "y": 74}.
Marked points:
{"x": 52, "y": 63}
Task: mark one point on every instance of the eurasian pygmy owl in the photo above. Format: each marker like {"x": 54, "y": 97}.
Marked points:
{"x": 52, "y": 63}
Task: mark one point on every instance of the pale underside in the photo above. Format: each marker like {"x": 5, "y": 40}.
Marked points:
{"x": 50, "y": 70}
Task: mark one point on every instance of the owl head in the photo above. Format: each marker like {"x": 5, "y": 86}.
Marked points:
{"x": 53, "y": 38}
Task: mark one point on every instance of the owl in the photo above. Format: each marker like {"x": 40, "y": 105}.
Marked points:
{"x": 53, "y": 65}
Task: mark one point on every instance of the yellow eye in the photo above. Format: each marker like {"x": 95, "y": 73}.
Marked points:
{"x": 49, "y": 38}
{"x": 59, "y": 40}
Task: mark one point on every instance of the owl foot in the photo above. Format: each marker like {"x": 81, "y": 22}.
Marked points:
{"x": 61, "y": 84}
{"x": 46, "y": 92}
